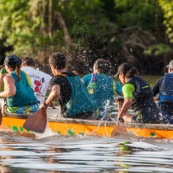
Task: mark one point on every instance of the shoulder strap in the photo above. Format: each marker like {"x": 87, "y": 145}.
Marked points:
{"x": 66, "y": 73}
{"x": 61, "y": 74}
{"x": 92, "y": 76}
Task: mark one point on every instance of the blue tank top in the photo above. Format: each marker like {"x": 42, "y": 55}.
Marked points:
{"x": 166, "y": 89}
{"x": 80, "y": 100}
{"x": 24, "y": 94}
{"x": 101, "y": 89}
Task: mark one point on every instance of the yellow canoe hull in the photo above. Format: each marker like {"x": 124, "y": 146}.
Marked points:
{"x": 66, "y": 126}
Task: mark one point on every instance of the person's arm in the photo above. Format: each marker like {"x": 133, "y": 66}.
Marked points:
{"x": 54, "y": 94}
{"x": 156, "y": 87}
{"x": 126, "y": 105}
{"x": 9, "y": 87}
{"x": 1, "y": 79}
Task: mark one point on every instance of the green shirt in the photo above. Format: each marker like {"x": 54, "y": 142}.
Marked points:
{"x": 128, "y": 90}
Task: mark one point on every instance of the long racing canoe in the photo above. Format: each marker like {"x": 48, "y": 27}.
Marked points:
{"x": 67, "y": 126}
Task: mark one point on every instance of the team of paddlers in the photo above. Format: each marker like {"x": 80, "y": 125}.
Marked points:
{"x": 24, "y": 88}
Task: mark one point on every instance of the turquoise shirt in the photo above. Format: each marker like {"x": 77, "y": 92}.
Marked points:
{"x": 102, "y": 88}
{"x": 117, "y": 87}
{"x": 80, "y": 101}
{"x": 24, "y": 94}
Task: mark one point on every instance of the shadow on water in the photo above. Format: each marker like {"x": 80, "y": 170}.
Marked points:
{"x": 83, "y": 154}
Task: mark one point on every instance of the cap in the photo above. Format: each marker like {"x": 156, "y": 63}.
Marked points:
{"x": 170, "y": 65}
{"x": 12, "y": 60}
{"x": 123, "y": 68}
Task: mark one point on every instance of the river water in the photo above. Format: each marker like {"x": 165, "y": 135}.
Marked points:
{"x": 53, "y": 154}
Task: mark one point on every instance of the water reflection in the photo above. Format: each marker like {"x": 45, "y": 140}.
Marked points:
{"x": 83, "y": 154}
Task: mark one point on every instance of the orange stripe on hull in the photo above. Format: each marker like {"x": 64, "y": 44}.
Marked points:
{"x": 152, "y": 133}
{"x": 70, "y": 128}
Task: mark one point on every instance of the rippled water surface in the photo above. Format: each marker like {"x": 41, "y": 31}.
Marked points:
{"x": 83, "y": 154}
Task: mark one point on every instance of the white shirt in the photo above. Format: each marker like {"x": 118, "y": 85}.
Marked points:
{"x": 40, "y": 82}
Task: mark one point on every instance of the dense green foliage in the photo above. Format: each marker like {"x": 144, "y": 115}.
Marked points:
{"x": 119, "y": 30}
{"x": 167, "y": 7}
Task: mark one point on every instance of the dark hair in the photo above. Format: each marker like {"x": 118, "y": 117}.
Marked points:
{"x": 28, "y": 61}
{"x": 58, "y": 60}
{"x": 131, "y": 73}
{"x": 128, "y": 70}
{"x": 14, "y": 62}
{"x": 103, "y": 65}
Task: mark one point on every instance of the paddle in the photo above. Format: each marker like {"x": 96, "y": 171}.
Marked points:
{"x": 37, "y": 121}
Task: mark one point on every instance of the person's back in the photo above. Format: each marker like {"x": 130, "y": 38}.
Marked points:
{"x": 67, "y": 87}
{"x": 24, "y": 94}
{"x": 39, "y": 80}
{"x": 164, "y": 89}
{"x": 143, "y": 101}
{"x": 102, "y": 87}
{"x": 19, "y": 96}
{"x": 137, "y": 95}
{"x": 74, "y": 99}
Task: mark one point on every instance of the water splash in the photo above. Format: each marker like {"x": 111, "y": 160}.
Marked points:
{"x": 47, "y": 133}
{"x": 106, "y": 117}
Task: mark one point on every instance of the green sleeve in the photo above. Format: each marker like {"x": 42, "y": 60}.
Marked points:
{"x": 128, "y": 90}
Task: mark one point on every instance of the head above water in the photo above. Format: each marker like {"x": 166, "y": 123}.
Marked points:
{"x": 28, "y": 61}
{"x": 170, "y": 65}
{"x": 127, "y": 70}
{"x": 12, "y": 61}
{"x": 102, "y": 66}
{"x": 58, "y": 60}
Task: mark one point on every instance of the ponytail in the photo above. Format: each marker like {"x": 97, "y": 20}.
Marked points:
{"x": 131, "y": 73}
{"x": 17, "y": 70}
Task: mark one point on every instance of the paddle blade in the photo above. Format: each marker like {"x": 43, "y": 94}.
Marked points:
{"x": 0, "y": 117}
{"x": 37, "y": 121}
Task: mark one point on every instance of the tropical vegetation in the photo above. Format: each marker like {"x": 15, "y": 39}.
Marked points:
{"x": 136, "y": 31}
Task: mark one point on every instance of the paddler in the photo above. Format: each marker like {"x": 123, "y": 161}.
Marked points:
{"x": 19, "y": 96}
{"x": 164, "y": 89}
{"x": 75, "y": 102}
{"x": 102, "y": 87}
{"x": 138, "y": 95}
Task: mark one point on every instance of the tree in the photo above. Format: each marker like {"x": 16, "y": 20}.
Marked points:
{"x": 167, "y": 7}
{"x": 117, "y": 30}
